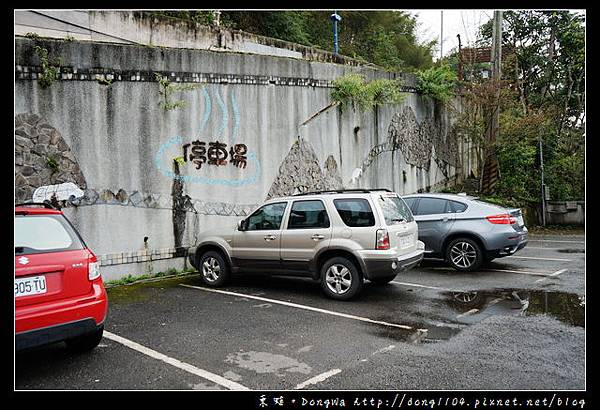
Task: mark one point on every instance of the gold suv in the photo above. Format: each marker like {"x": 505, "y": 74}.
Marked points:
{"x": 339, "y": 238}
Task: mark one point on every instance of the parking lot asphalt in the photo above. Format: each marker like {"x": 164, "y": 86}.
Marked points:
{"x": 518, "y": 323}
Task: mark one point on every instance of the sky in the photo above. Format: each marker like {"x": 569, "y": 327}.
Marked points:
{"x": 463, "y": 22}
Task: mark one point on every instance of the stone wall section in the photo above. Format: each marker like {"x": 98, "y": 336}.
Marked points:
{"x": 42, "y": 157}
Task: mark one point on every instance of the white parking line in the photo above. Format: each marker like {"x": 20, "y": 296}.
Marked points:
{"x": 317, "y": 379}
{"x": 549, "y": 240}
{"x": 215, "y": 378}
{"x": 305, "y": 307}
{"x": 470, "y": 312}
{"x": 524, "y": 272}
{"x": 493, "y": 302}
{"x": 558, "y": 272}
{"x": 540, "y": 259}
{"x": 384, "y": 349}
{"x": 416, "y": 285}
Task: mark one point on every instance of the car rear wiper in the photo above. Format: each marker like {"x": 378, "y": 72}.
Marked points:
{"x": 398, "y": 220}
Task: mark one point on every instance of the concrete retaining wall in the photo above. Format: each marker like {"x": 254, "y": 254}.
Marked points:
{"x": 102, "y": 123}
{"x": 565, "y": 212}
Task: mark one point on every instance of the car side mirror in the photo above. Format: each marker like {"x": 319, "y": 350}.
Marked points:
{"x": 240, "y": 225}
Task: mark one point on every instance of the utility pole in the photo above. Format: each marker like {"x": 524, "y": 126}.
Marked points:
{"x": 551, "y": 52}
{"x": 490, "y": 169}
{"x": 460, "y": 62}
{"x": 442, "y": 35}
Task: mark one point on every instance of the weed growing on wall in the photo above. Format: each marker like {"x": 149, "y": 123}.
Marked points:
{"x": 354, "y": 90}
{"x": 167, "y": 89}
{"x": 437, "y": 82}
{"x": 49, "y": 71}
{"x": 52, "y": 163}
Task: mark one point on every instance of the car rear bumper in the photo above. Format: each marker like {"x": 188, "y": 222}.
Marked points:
{"x": 381, "y": 268}
{"x": 510, "y": 247}
{"x": 57, "y": 333}
{"x": 60, "y": 320}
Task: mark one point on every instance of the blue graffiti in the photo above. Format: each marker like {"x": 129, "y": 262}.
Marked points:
{"x": 207, "y": 109}
{"x": 236, "y": 118}
{"x": 224, "y": 117}
{"x": 177, "y": 141}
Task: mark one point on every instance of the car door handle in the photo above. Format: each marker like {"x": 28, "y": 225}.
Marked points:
{"x": 317, "y": 237}
{"x": 270, "y": 237}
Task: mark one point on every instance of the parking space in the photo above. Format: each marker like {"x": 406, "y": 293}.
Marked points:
{"x": 431, "y": 328}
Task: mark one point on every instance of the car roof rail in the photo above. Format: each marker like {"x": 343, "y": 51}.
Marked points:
{"x": 45, "y": 204}
{"x": 343, "y": 191}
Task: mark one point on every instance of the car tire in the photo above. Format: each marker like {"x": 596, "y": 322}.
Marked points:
{"x": 383, "y": 280}
{"x": 464, "y": 254}
{"x": 340, "y": 278}
{"x": 85, "y": 342}
{"x": 214, "y": 269}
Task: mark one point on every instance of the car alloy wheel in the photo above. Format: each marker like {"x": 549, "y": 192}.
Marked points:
{"x": 463, "y": 255}
{"x": 211, "y": 269}
{"x": 465, "y": 297}
{"x": 338, "y": 279}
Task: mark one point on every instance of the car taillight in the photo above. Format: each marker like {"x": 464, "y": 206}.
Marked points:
{"x": 383, "y": 240}
{"x": 93, "y": 267}
{"x": 501, "y": 219}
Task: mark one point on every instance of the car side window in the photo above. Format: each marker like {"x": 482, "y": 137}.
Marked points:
{"x": 267, "y": 217}
{"x": 355, "y": 212}
{"x": 457, "y": 206}
{"x": 308, "y": 214}
{"x": 431, "y": 206}
{"x": 411, "y": 202}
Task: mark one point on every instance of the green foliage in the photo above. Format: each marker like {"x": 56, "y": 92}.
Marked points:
{"x": 353, "y": 89}
{"x": 542, "y": 98}
{"x": 167, "y": 89}
{"x": 52, "y": 163}
{"x": 385, "y": 38}
{"x": 32, "y": 36}
{"x": 437, "y": 82}
{"x": 104, "y": 81}
{"x": 518, "y": 177}
{"x": 132, "y": 279}
{"x": 49, "y": 71}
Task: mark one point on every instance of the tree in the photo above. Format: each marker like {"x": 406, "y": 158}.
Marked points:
{"x": 385, "y": 38}
{"x": 544, "y": 78}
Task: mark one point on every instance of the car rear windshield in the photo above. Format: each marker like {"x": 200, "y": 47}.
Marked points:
{"x": 43, "y": 234}
{"x": 355, "y": 212}
{"x": 394, "y": 210}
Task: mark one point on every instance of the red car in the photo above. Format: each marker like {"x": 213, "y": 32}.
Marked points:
{"x": 59, "y": 293}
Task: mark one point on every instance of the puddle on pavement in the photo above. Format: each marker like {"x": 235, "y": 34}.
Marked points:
{"x": 143, "y": 291}
{"x": 569, "y": 308}
{"x": 572, "y": 250}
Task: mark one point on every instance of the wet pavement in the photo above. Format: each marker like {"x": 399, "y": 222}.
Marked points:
{"x": 518, "y": 323}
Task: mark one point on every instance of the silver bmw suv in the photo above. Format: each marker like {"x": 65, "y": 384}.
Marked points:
{"x": 339, "y": 238}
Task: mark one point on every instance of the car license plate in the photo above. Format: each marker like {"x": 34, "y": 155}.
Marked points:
{"x": 34, "y": 285}
{"x": 406, "y": 241}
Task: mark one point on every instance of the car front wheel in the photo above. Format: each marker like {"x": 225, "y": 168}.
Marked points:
{"x": 464, "y": 254}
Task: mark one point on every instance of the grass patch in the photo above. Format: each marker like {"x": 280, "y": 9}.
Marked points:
{"x": 129, "y": 279}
